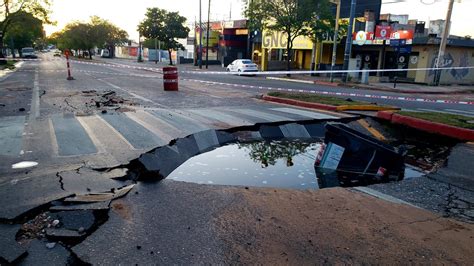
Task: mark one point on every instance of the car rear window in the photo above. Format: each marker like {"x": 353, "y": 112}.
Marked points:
{"x": 27, "y": 50}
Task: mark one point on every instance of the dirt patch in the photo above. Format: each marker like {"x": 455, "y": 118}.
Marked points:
{"x": 89, "y": 102}
{"x": 122, "y": 209}
{"x": 338, "y": 226}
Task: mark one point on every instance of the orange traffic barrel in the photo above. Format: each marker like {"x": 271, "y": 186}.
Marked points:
{"x": 170, "y": 78}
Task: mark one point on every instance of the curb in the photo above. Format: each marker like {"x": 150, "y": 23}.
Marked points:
{"x": 366, "y": 108}
{"x": 329, "y": 107}
{"x": 428, "y": 126}
{"x": 300, "y": 103}
{"x": 5, "y": 73}
{"x": 358, "y": 86}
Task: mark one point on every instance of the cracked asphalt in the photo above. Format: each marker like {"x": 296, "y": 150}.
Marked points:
{"x": 77, "y": 207}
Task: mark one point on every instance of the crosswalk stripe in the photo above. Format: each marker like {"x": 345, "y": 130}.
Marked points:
{"x": 71, "y": 138}
{"x": 136, "y": 134}
{"x": 221, "y": 117}
{"x": 313, "y": 115}
{"x": 179, "y": 121}
{"x": 262, "y": 115}
{"x": 163, "y": 130}
{"x": 11, "y": 130}
{"x": 92, "y": 134}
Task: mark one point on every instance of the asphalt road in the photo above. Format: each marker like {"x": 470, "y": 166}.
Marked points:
{"x": 261, "y": 84}
{"x": 110, "y": 114}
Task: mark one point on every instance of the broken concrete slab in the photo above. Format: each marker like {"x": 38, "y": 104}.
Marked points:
{"x": 272, "y": 132}
{"x": 162, "y": 224}
{"x": 316, "y": 130}
{"x": 225, "y": 137}
{"x": 39, "y": 254}
{"x": 28, "y": 194}
{"x": 74, "y": 220}
{"x": 85, "y": 180}
{"x": 206, "y": 140}
{"x": 294, "y": 131}
{"x": 103, "y": 205}
{"x": 97, "y": 197}
{"x": 56, "y": 234}
{"x": 10, "y": 250}
{"x": 187, "y": 147}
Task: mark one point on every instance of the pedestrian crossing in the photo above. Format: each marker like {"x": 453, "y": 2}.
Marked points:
{"x": 113, "y": 134}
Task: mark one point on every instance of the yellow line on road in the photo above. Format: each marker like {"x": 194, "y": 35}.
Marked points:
{"x": 372, "y": 130}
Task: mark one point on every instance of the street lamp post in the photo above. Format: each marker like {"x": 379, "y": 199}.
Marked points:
{"x": 140, "y": 59}
{"x": 348, "y": 49}
{"x": 336, "y": 35}
{"x": 207, "y": 39}
{"x": 444, "y": 41}
{"x": 156, "y": 37}
{"x": 200, "y": 35}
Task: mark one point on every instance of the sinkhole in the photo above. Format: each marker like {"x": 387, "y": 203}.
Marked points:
{"x": 284, "y": 163}
{"x": 309, "y": 155}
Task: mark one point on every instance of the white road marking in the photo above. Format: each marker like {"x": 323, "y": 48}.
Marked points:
{"x": 35, "y": 100}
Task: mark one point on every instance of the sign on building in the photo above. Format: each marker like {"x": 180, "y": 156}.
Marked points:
{"x": 279, "y": 40}
{"x": 383, "y": 32}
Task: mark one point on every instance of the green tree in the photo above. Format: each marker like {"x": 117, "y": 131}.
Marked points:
{"x": 86, "y": 36}
{"x": 11, "y": 11}
{"x": 106, "y": 35}
{"x": 164, "y": 26}
{"x": 291, "y": 17}
{"x": 26, "y": 31}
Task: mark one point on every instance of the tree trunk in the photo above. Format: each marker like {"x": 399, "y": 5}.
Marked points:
{"x": 2, "y": 62}
{"x": 288, "y": 51}
{"x": 90, "y": 54}
{"x": 171, "y": 60}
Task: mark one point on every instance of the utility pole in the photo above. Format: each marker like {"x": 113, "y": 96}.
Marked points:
{"x": 156, "y": 51}
{"x": 200, "y": 35}
{"x": 139, "y": 48}
{"x": 348, "y": 50}
{"x": 207, "y": 39}
{"x": 336, "y": 35}
{"x": 444, "y": 41}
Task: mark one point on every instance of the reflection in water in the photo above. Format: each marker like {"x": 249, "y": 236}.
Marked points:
{"x": 283, "y": 164}
{"x": 267, "y": 153}
{"x": 286, "y": 164}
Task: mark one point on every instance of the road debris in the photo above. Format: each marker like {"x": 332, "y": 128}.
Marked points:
{"x": 25, "y": 164}
{"x": 355, "y": 157}
{"x": 98, "y": 197}
{"x": 50, "y": 245}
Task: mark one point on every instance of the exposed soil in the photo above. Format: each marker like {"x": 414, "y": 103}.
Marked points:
{"x": 338, "y": 226}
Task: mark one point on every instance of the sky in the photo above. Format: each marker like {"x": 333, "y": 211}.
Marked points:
{"x": 127, "y": 14}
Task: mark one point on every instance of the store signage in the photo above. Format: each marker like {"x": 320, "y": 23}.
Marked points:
{"x": 279, "y": 40}
{"x": 383, "y": 32}
{"x": 361, "y": 37}
{"x": 402, "y": 34}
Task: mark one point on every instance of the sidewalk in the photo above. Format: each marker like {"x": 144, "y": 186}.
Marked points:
{"x": 388, "y": 87}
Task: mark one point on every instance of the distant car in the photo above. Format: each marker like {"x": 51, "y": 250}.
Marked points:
{"x": 28, "y": 52}
{"x": 105, "y": 53}
{"x": 57, "y": 53}
{"x": 242, "y": 66}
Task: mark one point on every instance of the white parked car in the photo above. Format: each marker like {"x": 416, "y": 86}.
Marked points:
{"x": 28, "y": 52}
{"x": 242, "y": 66}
